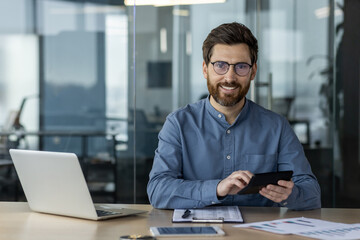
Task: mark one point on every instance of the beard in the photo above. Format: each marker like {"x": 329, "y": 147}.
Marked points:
{"x": 227, "y": 100}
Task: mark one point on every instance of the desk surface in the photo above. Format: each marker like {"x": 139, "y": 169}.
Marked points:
{"x": 18, "y": 222}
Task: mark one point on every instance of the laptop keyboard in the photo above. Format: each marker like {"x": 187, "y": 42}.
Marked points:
{"x": 102, "y": 213}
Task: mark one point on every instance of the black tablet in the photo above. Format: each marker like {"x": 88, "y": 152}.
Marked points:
{"x": 262, "y": 179}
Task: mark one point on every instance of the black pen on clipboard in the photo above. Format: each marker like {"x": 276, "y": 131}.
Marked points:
{"x": 186, "y": 213}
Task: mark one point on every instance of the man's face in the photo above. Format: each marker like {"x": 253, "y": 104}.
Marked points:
{"x": 230, "y": 88}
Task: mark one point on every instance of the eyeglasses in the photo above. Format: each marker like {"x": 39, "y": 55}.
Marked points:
{"x": 241, "y": 69}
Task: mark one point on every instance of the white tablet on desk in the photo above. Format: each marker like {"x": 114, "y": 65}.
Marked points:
{"x": 186, "y": 231}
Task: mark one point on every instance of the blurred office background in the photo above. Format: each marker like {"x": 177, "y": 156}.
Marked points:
{"x": 98, "y": 78}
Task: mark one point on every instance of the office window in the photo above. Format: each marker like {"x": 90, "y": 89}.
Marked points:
{"x": 100, "y": 66}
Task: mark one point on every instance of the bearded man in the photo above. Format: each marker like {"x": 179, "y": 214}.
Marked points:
{"x": 209, "y": 150}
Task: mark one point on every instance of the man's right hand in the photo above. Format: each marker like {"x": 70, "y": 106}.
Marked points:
{"x": 233, "y": 183}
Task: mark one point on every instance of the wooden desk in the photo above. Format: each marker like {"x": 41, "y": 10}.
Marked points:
{"x": 18, "y": 222}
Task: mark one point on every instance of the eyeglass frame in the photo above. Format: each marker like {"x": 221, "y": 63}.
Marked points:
{"x": 234, "y": 64}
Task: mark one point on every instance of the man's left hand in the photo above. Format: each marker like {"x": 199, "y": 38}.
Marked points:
{"x": 278, "y": 193}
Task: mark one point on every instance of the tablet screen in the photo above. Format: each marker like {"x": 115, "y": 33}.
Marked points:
{"x": 262, "y": 179}
{"x": 186, "y": 230}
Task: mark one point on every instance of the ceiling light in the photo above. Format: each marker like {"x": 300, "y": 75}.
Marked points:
{"x": 181, "y": 12}
{"x": 161, "y": 3}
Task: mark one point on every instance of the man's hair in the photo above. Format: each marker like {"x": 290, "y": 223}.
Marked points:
{"x": 230, "y": 34}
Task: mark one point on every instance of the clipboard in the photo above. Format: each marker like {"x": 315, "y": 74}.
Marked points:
{"x": 262, "y": 179}
{"x": 214, "y": 214}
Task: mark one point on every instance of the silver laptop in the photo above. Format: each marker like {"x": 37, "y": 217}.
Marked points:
{"x": 54, "y": 183}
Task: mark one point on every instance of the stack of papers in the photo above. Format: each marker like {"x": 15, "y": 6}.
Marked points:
{"x": 308, "y": 227}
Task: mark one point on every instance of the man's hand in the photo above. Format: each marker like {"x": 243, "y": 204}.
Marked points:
{"x": 278, "y": 193}
{"x": 233, "y": 183}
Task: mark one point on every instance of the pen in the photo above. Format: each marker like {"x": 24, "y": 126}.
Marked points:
{"x": 186, "y": 213}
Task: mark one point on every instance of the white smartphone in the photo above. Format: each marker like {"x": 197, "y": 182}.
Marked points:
{"x": 186, "y": 231}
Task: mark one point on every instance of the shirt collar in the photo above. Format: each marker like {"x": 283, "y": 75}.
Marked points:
{"x": 221, "y": 117}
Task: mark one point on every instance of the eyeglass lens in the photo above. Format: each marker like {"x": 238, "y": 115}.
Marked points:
{"x": 241, "y": 69}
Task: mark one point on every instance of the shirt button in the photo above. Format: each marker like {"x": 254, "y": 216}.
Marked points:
{"x": 228, "y": 131}
{"x": 219, "y": 115}
{"x": 213, "y": 202}
{"x": 228, "y": 157}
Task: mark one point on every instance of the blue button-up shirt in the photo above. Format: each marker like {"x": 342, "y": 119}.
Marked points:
{"x": 198, "y": 148}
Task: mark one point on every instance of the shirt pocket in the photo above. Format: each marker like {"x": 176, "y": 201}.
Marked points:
{"x": 261, "y": 163}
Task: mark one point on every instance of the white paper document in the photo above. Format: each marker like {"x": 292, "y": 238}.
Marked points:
{"x": 308, "y": 227}
{"x": 229, "y": 214}
{"x": 348, "y": 232}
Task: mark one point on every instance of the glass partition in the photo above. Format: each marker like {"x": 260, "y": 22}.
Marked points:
{"x": 99, "y": 78}
{"x": 295, "y": 75}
